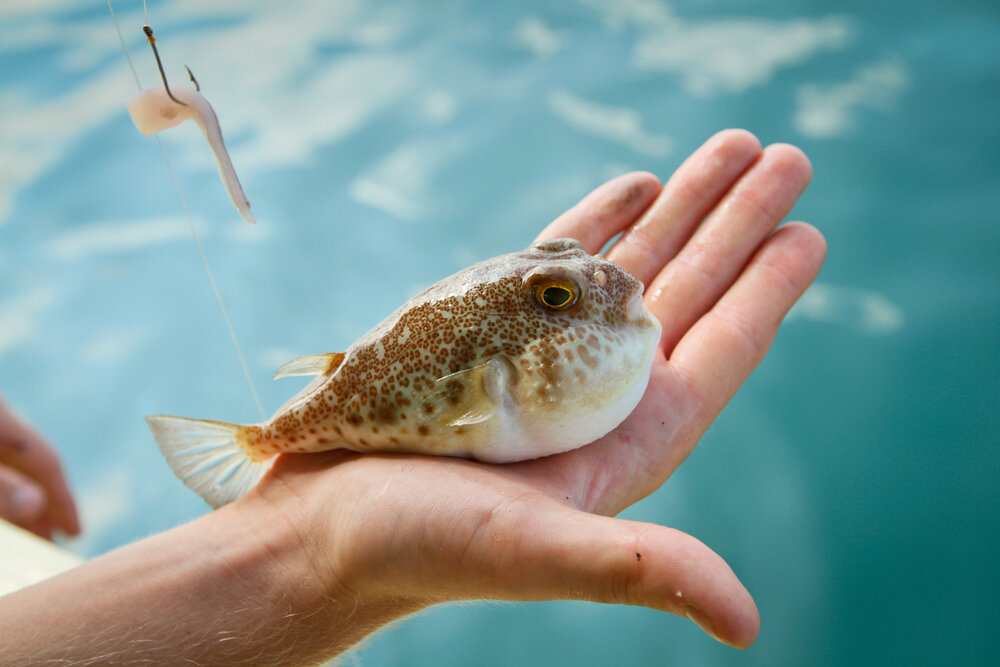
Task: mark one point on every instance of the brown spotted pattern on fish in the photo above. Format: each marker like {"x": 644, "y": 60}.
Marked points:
{"x": 520, "y": 356}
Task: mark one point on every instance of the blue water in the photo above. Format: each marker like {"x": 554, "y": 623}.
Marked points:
{"x": 852, "y": 483}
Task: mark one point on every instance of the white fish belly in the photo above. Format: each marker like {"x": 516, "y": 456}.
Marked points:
{"x": 522, "y": 436}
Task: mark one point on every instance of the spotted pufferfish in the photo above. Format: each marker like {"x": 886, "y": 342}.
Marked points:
{"x": 520, "y": 356}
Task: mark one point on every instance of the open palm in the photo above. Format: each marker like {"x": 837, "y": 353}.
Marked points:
{"x": 720, "y": 279}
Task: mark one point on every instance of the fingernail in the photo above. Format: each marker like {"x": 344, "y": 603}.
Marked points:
{"x": 26, "y": 503}
{"x": 703, "y": 622}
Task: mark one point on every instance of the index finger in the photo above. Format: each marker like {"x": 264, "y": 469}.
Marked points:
{"x": 606, "y": 211}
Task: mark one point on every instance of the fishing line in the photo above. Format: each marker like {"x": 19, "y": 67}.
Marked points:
{"x": 194, "y": 230}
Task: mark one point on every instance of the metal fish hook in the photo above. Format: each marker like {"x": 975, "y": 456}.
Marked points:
{"x": 152, "y": 42}
{"x": 193, "y": 80}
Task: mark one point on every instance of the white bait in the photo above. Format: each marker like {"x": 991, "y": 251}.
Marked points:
{"x": 156, "y": 109}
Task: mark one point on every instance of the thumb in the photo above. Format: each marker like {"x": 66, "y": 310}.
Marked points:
{"x": 570, "y": 554}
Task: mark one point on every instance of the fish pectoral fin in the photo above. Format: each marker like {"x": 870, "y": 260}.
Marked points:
{"x": 312, "y": 364}
{"x": 471, "y": 396}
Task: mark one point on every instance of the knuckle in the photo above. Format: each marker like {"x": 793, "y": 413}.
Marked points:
{"x": 744, "y": 330}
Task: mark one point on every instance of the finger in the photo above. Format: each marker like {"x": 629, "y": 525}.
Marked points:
{"x": 694, "y": 190}
{"x": 717, "y": 252}
{"x": 479, "y": 531}
{"x": 687, "y": 393}
{"x": 25, "y": 451}
{"x": 22, "y": 502}
{"x": 606, "y": 211}
{"x": 724, "y": 347}
{"x": 568, "y": 554}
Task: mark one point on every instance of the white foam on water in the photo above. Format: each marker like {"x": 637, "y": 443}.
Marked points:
{"x": 826, "y": 111}
{"x": 84, "y": 241}
{"x": 621, "y": 125}
{"x": 863, "y": 311}
{"x": 720, "y": 55}
{"x": 21, "y": 315}
{"x": 533, "y": 34}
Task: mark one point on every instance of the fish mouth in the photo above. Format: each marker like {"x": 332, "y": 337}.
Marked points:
{"x": 635, "y": 311}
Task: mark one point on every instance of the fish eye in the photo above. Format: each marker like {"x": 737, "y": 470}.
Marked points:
{"x": 557, "y": 293}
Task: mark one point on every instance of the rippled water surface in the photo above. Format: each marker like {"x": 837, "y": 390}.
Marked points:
{"x": 852, "y": 483}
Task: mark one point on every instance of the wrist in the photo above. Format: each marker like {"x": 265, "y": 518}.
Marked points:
{"x": 236, "y": 586}
{"x": 268, "y": 553}
{"x": 289, "y": 556}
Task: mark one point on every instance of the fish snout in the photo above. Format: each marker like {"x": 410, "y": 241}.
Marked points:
{"x": 634, "y": 310}
{"x": 638, "y": 315}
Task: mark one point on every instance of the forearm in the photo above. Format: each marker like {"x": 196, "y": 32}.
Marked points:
{"x": 219, "y": 590}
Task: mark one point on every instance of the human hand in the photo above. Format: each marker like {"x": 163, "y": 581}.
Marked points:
{"x": 33, "y": 491}
{"x": 328, "y": 547}
{"x": 719, "y": 277}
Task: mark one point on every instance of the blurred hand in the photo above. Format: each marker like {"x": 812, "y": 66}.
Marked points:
{"x": 720, "y": 279}
{"x": 33, "y": 491}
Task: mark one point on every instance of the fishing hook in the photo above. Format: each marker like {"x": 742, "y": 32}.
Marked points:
{"x": 193, "y": 80}
{"x": 152, "y": 42}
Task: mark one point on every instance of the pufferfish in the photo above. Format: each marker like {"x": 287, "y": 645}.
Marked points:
{"x": 520, "y": 356}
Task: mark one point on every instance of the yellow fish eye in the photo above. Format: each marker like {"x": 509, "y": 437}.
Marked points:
{"x": 556, "y": 293}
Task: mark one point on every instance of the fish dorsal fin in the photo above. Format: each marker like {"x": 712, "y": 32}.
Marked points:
{"x": 470, "y": 396}
{"x": 311, "y": 364}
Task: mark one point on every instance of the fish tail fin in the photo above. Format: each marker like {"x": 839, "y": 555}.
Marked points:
{"x": 209, "y": 457}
